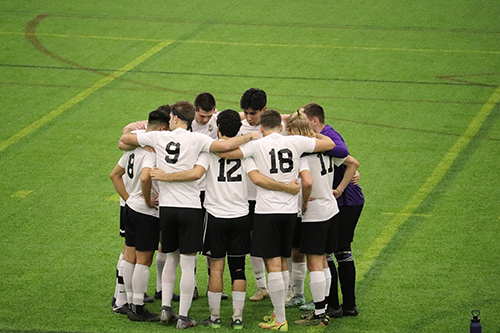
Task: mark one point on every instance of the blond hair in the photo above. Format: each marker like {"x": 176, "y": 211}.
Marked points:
{"x": 298, "y": 124}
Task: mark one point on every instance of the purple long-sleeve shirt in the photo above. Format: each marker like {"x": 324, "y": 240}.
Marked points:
{"x": 352, "y": 195}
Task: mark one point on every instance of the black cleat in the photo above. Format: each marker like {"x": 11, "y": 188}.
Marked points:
{"x": 140, "y": 313}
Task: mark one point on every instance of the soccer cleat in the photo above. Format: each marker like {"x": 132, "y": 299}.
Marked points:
{"x": 321, "y": 320}
{"x": 140, "y": 313}
{"x": 113, "y": 302}
{"x": 349, "y": 312}
{"x": 307, "y": 307}
{"x": 148, "y": 299}
{"x": 332, "y": 313}
{"x": 270, "y": 317}
{"x": 122, "y": 309}
{"x": 158, "y": 294}
{"x": 295, "y": 302}
{"x": 274, "y": 325}
{"x": 260, "y": 294}
{"x": 237, "y": 324}
{"x": 167, "y": 315}
{"x": 217, "y": 323}
{"x": 195, "y": 293}
{"x": 290, "y": 293}
{"x": 176, "y": 297}
{"x": 185, "y": 322}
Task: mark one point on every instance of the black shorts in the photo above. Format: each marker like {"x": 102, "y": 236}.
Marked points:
{"x": 251, "y": 212}
{"x": 142, "y": 231}
{"x": 181, "y": 228}
{"x": 122, "y": 221}
{"x": 272, "y": 235}
{"x": 296, "y": 234}
{"x": 348, "y": 219}
{"x": 319, "y": 237}
{"x": 226, "y": 236}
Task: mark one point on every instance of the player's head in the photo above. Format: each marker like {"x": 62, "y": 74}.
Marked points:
{"x": 228, "y": 123}
{"x": 316, "y": 116}
{"x": 181, "y": 114}
{"x": 158, "y": 119}
{"x": 205, "y": 107}
{"x": 253, "y": 102}
{"x": 298, "y": 124}
{"x": 270, "y": 120}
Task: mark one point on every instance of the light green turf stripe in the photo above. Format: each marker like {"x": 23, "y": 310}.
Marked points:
{"x": 81, "y": 96}
{"x": 364, "y": 264}
{"x": 317, "y": 46}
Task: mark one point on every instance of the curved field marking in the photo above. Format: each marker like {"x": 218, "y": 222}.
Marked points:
{"x": 81, "y": 96}
{"x": 364, "y": 264}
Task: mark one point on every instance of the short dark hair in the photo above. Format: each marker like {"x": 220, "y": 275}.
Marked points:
{"x": 254, "y": 99}
{"x": 204, "y": 101}
{"x": 159, "y": 116}
{"x": 229, "y": 122}
{"x": 270, "y": 119}
{"x": 314, "y": 110}
{"x": 184, "y": 110}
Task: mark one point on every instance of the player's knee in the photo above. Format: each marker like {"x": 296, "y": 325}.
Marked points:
{"x": 236, "y": 268}
{"x": 343, "y": 256}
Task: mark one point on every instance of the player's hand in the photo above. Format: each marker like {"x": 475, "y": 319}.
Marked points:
{"x": 305, "y": 205}
{"x": 158, "y": 174}
{"x": 256, "y": 135}
{"x": 156, "y": 201}
{"x": 355, "y": 178}
{"x": 337, "y": 193}
{"x": 138, "y": 125}
{"x": 294, "y": 187}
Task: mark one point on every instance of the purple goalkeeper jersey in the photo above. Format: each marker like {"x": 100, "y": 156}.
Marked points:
{"x": 352, "y": 195}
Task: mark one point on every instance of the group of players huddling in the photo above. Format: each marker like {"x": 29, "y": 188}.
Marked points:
{"x": 229, "y": 184}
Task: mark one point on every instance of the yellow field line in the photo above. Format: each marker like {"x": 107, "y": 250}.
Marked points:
{"x": 81, "y": 96}
{"x": 371, "y": 254}
{"x": 334, "y": 47}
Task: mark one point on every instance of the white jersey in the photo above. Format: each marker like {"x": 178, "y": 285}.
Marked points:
{"x": 133, "y": 162}
{"x": 324, "y": 205}
{"x": 210, "y": 128}
{"x": 177, "y": 151}
{"x": 226, "y": 193}
{"x": 277, "y": 157}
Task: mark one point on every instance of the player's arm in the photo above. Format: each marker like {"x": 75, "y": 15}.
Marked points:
{"x": 138, "y": 125}
{"x": 128, "y": 141}
{"x": 307, "y": 183}
{"x": 182, "y": 176}
{"x": 146, "y": 184}
{"x": 351, "y": 166}
{"x": 116, "y": 178}
{"x": 233, "y": 143}
{"x": 355, "y": 178}
{"x": 259, "y": 179}
{"x": 323, "y": 143}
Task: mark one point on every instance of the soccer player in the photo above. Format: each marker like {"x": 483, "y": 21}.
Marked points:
{"x": 142, "y": 226}
{"x": 227, "y": 231}
{"x": 319, "y": 225}
{"x": 350, "y": 202}
{"x": 277, "y": 157}
{"x": 205, "y": 117}
{"x": 180, "y": 207}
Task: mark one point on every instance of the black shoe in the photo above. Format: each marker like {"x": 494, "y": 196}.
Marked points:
{"x": 195, "y": 293}
{"x": 140, "y": 313}
{"x": 176, "y": 297}
{"x": 167, "y": 315}
{"x": 158, "y": 294}
{"x": 349, "y": 312}
{"x": 148, "y": 299}
{"x": 122, "y": 309}
{"x": 113, "y": 302}
{"x": 332, "y": 313}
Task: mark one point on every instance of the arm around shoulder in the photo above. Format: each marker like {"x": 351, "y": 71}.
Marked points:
{"x": 323, "y": 143}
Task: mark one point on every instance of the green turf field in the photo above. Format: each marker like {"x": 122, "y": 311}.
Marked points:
{"x": 413, "y": 87}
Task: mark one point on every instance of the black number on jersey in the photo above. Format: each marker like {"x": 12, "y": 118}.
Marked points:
{"x": 173, "y": 149}
{"x": 285, "y": 158}
{"x": 229, "y": 176}
{"x": 324, "y": 171}
{"x": 130, "y": 166}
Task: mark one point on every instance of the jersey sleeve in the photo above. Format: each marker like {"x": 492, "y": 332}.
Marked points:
{"x": 303, "y": 164}
{"x": 146, "y": 139}
{"x": 309, "y": 144}
{"x": 149, "y": 160}
{"x": 123, "y": 160}
{"x": 247, "y": 149}
{"x": 249, "y": 164}
{"x": 203, "y": 160}
{"x": 205, "y": 142}
{"x": 339, "y": 161}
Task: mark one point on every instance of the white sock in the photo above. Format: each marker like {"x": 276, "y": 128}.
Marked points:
{"x": 286, "y": 279}
{"x": 328, "y": 282}
{"x": 214, "y": 304}
{"x": 317, "y": 286}
{"x": 128, "y": 272}
{"x": 140, "y": 281}
{"x": 188, "y": 264}
{"x": 160, "y": 263}
{"x": 238, "y": 304}
{"x": 299, "y": 270}
{"x": 277, "y": 291}
{"x": 121, "y": 294}
{"x": 259, "y": 270}
{"x": 168, "y": 278}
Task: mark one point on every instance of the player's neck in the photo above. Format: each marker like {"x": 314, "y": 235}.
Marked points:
{"x": 267, "y": 132}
